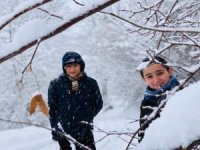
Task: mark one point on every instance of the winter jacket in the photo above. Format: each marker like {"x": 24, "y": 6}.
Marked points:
{"x": 68, "y": 108}
{"x": 152, "y": 99}
{"x": 146, "y": 112}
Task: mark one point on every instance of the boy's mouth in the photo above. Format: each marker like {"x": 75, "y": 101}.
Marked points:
{"x": 158, "y": 86}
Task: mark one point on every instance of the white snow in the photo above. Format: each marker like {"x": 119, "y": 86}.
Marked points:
{"x": 143, "y": 65}
{"x": 39, "y": 28}
{"x": 35, "y": 138}
{"x": 19, "y": 9}
{"x": 24, "y": 35}
{"x": 178, "y": 125}
{"x": 179, "y": 122}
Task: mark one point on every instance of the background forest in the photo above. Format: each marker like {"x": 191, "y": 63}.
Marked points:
{"x": 112, "y": 41}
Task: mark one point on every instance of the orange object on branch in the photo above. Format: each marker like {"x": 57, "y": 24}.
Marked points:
{"x": 38, "y": 101}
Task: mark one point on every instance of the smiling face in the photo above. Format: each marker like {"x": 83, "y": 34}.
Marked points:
{"x": 156, "y": 75}
{"x": 73, "y": 69}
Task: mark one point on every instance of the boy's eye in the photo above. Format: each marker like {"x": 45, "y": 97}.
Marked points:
{"x": 159, "y": 73}
{"x": 75, "y": 65}
{"x": 149, "y": 77}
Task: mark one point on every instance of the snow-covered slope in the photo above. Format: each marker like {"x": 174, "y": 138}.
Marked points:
{"x": 178, "y": 125}
{"x": 34, "y": 138}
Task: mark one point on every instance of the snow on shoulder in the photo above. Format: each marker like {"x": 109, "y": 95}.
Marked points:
{"x": 179, "y": 122}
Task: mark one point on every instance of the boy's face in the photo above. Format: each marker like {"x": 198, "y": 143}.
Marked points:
{"x": 73, "y": 69}
{"x": 156, "y": 75}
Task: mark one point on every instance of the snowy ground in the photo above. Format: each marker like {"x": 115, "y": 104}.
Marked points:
{"x": 178, "y": 125}
{"x": 35, "y": 138}
{"x": 183, "y": 109}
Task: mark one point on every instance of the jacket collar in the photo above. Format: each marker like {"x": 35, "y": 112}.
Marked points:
{"x": 152, "y": 94}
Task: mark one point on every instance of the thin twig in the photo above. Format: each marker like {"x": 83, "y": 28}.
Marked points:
{"x": 30, "y": 62}
{"x": 56, "y": 16}
{"x": 78, "y": 3}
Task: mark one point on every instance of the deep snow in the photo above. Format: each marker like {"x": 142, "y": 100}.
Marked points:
{"x": 179, "y": 120}
{"x": 178, "y": 125}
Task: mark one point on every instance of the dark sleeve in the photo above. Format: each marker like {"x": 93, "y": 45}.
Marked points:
{"x": 53, "y": 105}
{"x": 144, "y": 112}
{"x": 97, "y": 99}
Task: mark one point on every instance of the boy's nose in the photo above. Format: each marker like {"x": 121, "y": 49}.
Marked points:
{"x": 156, "y": 80}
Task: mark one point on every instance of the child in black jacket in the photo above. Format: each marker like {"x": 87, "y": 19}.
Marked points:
{"x": 73, "y": 98}
{"x": 159, "y": 79}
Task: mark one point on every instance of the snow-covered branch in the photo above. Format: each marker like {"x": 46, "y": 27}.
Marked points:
{"x": 28, "y": 7}
{"x": 172, "y": 25}
{"x": 53, "y": 31}
{"x": 157, "y": 29}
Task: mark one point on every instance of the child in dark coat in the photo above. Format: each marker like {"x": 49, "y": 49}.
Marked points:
{"x": 159, "y": 79}
{"x": 73, "y": 98}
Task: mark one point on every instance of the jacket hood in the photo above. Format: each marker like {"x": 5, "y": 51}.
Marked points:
{"x": 72, "y": 57}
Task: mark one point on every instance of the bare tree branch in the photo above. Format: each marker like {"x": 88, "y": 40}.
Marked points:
{"x": 59, "y": 29}
{"x": 78, "y": 3}
{"x": 29, "y": 64}
{"x": 191, "y": 39}
{"x": 156, "y": 29}
{"x": 50, "y": 13}
{"x": 168, "y": 15}
{"x": 166, "y": 19}
{"x": 29, "y": 67}
{"x": 107, "y": 133}
{"x": 190, "y": 76}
